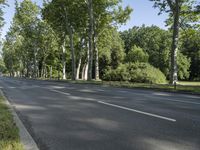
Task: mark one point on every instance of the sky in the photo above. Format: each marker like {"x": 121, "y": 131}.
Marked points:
{"x": 143, "y": 13}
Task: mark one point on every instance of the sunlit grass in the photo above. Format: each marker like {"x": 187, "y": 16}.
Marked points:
{"x": 182, "y": 86}
{"x": 189, "y": 83}
{"x": 9, "y": 133}
{"x": 191, "y": 87}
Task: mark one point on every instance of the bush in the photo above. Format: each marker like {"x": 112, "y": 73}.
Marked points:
{"x": 183, "y": 63}
{"x": 135, "y": 72}
{"x": 145, "y": 73}
{"x": 119, "y": 74}
{"x": 137, "y": 54}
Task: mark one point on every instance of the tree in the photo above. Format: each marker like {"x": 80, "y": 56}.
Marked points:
{"x": 106, "y": 14}
{"x": 154, "y": 41}
{"x": 95, "y": 16}
{"x": 176, "y": 9}
{"x": 190, "y": 47}
{"x": 3, "y": 68}
{"x": 136, "y": 54}
{"x": 47, "y": 47}
{"x": 9, "y": 54}
{"x": 2, "y": 4}
{"x": 25, "y": 25}
{"x": 183, "y": 63}
{"x": 31, "y": 42}
{"x": 111, "y": 51}
{"x": 90, "y": 37}
{"x": 65, "y": 19}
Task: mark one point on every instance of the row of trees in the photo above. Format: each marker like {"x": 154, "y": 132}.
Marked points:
{"x": 80, "y": 38}
{"x": 2, "y": 4}
{"x": 156, "y": 43}
{"x": 41, "y": 41}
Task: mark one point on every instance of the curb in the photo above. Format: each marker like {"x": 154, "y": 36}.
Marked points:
{"x": 26, "y": 139}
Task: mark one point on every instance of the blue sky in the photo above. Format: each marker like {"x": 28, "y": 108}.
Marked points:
{"x": 143, "y": 13}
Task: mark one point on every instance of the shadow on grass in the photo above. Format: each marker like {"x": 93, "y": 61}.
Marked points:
{"x": 9, "y": 133}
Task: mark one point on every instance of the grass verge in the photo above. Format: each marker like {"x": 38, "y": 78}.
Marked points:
{"x": 9, "y": 133}
{"x": 185, "y": 87}
{"x": 162, "y": 87}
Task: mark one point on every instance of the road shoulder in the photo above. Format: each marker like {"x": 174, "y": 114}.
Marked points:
{"x": 26, "y": 139}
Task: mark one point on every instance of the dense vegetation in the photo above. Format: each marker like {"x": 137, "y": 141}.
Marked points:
{"x": 80, "y": 40}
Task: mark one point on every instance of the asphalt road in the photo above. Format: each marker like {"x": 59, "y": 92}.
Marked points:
{"x": 63, "y": 116}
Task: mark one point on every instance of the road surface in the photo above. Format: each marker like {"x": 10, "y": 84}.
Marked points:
{"x": 64, "y": 116}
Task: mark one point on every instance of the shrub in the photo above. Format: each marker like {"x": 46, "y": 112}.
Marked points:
{"x": 119, "y": 74}
{"x": 137, "y": 54}
{"x": 135, "y": 72}
{"x": 145, "y": 73}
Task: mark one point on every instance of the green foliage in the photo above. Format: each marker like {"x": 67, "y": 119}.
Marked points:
{"x": 154, "y": 41}
{"x": 182, "y": 14}
{"x": 119, "y": 74}
{"x": 135, "y": 72}
{"x": 136, "y": 54}
{"x": 189, "y": 11}
{"x": 30, "y": 42}
{"x": 183, "y": 67}
{"x": 191, "y": 48}
{"x": 111, "y": 52}
{"x": 157, "y": 43}
{"x": 3, "y": 68}
{"x": 117, "y": 51}
{"x": 10, "y": 58}
{"x": 2, "y": 4}
{"x": 9, "y": 133}
{"x": 35, "y": 44}
{"x": 145, "y": 73}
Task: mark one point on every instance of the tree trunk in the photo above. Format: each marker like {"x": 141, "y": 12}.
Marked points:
{"x": 69, "y": 29}
{"x": 58, "y": 75}
{"x": 175, "y": 40}
{"x": 28, "y": 70}
{"x": 78, "y": 69}
{"x": 44, "y": 72}
{"x": 96, "y": 58}
{"x": 86, "y": 74}
{"x": 86, "y": 71}
{"x": 83, "y": 72}
{"x": 64, "y": 59}
{"x": 50, "y": 72}
{"x": 90, "y": 35}
{"x": 43, "y": 69}
{"x": 72, "y": 54}
{"x": 34, "y": 63}
{"x": 38, "y": 73}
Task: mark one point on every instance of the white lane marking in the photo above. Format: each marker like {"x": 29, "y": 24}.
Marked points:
{"x": 138, "y": 111}
{"x": 122, "y": 107}
{"x": 74, "y": 97}
{"x": 60, "y": 92}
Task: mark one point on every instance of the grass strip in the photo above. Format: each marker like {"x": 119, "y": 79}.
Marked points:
{"x": 9, "y": 133}
{"x": 185, "y": 87}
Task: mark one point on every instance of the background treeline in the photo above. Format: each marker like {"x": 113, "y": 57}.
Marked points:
{"x": 80, "y": 40}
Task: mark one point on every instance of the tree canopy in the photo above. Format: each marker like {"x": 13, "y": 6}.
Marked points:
{"x": 80, "y": 39}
